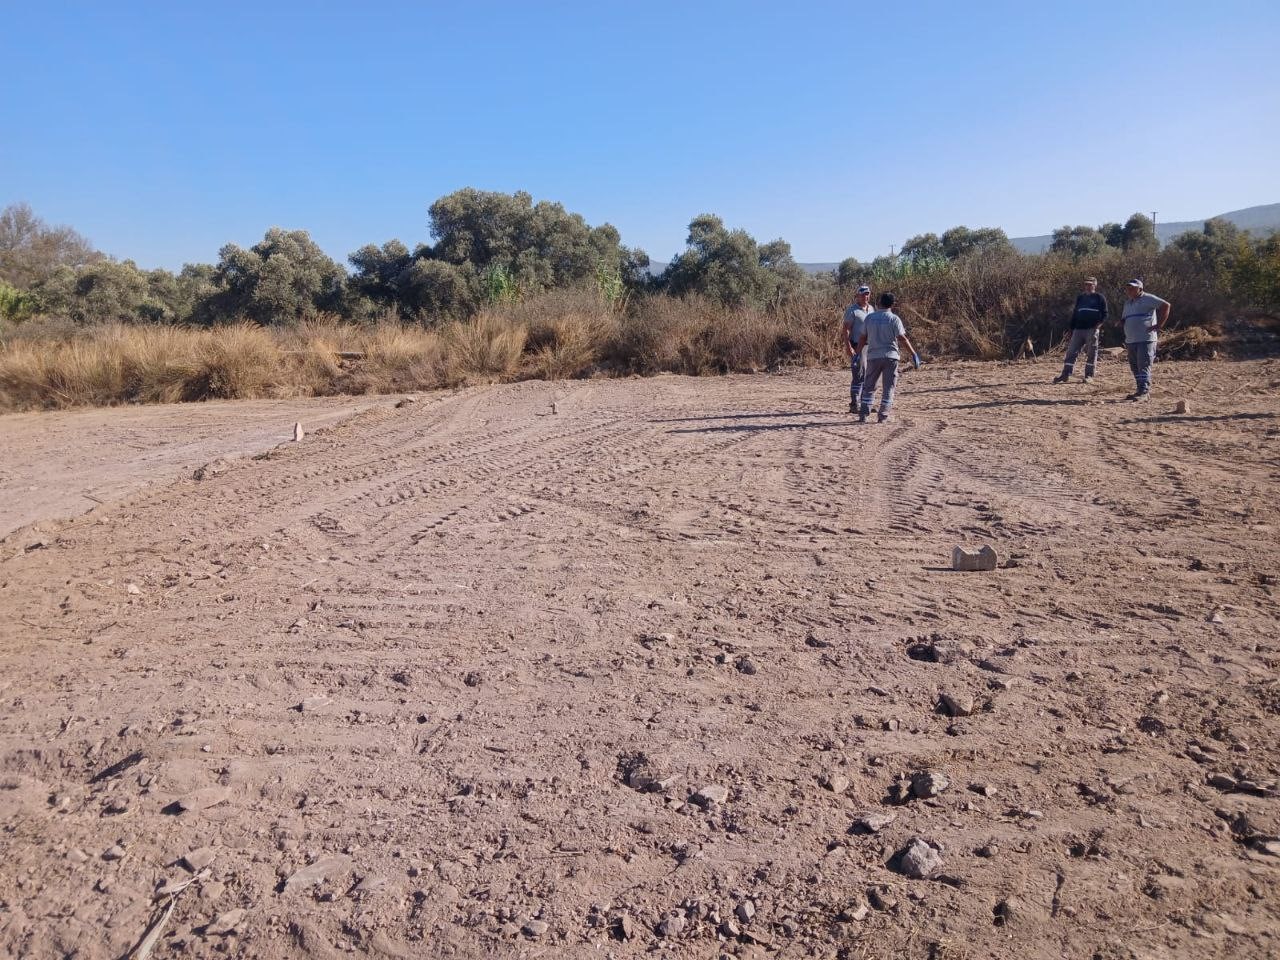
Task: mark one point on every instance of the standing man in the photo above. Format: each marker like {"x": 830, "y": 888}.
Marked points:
{"x": 1144, "y": 317}
{"x": 881, "y": 336}
{"x": 850, "y": 334}
{"x": 1087, "y": 318}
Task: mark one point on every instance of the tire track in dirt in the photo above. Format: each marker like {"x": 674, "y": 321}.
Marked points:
{"x": 430, "y": 640}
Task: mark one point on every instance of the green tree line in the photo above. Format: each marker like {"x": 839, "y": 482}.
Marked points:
{"x": 487, "y": 248}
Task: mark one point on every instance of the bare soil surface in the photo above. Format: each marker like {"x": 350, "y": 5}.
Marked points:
{"x": 660, "y": 667}
{"x": 60, "y": 464}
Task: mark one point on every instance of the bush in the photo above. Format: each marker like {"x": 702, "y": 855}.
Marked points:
{"x": 484, "y": 349}
{"x": 236, "y": 361}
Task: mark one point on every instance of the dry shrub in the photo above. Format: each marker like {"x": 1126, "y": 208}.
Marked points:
{"x": 484, "y": 349}
{"x": 572, "y": 343}
{"x": 72, "y": 373}
{"x": 400, "y": 358}
{"x": 808, "y": 330}
{"x": 159, "y": 363}
{"x": 696, "y": 336}
{"x": 665, "y": 334}
{"x": 744, "y": 341}
{"x": 237, "y": 361}
{"x": 1190, "y": 343}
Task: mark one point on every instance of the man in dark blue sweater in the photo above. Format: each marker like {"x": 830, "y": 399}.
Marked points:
{"x": 1086, "y": 322}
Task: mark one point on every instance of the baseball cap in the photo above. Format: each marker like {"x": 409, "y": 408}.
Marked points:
{"x": 864, "y": 289}
{"x": 1135, "y": 283}
{"x": 1090, "y": 279}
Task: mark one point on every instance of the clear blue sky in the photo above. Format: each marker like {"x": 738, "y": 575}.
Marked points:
{"x": 164, "y": 130}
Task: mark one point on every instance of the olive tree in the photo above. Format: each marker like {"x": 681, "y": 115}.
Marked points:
{"x": 729, "y": 266}
{"x": 284, "y": 277}
{"x": 1078, "y": 241}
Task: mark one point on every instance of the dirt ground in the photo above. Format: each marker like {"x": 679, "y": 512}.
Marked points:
{"x": 60, "y": 465}
{"x": 659, "y": 667}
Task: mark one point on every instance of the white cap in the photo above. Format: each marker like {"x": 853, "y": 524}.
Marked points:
{"x": 1135, "y": 283}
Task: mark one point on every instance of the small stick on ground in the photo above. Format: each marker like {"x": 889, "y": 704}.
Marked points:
{"x": 152, "y": 934}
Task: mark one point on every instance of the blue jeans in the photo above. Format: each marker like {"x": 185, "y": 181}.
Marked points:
{"x": 886, "y": 367}
{"x": 1142, "y": 356}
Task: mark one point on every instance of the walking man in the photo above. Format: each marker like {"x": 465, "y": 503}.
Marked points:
{"x": 882, "y": 333}
{"x": 1144, "y": 317}
{"x": 1087, "y": 318}
{"x": 850, "y": 334}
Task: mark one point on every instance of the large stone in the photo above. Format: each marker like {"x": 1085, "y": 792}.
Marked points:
{"x": 929, "y": 783}
{"x": 919, "y": 859}
{"x": 984, "y": 559}
{"x": 957, "y": 703}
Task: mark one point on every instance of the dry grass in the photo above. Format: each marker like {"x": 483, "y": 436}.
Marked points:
{"x": 485, "y": 349}
{"x": 984, "y": 308}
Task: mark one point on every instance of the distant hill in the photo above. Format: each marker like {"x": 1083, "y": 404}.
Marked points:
{"x": 1259, "y": 220}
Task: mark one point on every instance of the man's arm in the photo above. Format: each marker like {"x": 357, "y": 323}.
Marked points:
{"x": 1162, "y": 315}
{"x": 845, "y": 341}
{"x": 862, "y": 341}
{"x": 1104, "y": 310}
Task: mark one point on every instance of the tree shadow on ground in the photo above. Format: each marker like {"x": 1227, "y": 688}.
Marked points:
{"x": 1204, "y": 418}
{"x": 733, "y": 416}
{"x": 761, "y": 427}
{"x": 1031, "y": 402}
{"x": 971, "y": 387}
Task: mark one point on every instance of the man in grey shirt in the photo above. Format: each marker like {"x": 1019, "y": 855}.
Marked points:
{"x": 882, "y": 333}
{"x": 850, "y": 334}
{"x": 1144, "y": 317}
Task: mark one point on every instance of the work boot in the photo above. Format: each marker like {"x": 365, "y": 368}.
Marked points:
{"x": 1062, "y": 378}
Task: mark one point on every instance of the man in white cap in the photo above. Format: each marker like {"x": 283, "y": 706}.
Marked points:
{"x": 850, "y": 333}
{"x": 1143, "y": 318}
